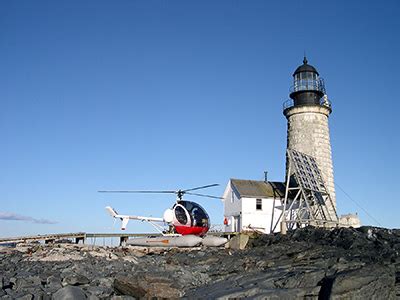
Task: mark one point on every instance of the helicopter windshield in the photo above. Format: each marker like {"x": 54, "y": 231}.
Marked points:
{"x": 198, "y": 215}
{"x": 181, "y": 215}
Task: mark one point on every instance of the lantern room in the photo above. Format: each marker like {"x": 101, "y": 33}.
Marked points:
{"x": 308, "y": 88}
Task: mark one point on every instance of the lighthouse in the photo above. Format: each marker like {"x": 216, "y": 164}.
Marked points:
{"x": 307, "y": 113}
{"x": 299, "y": 200}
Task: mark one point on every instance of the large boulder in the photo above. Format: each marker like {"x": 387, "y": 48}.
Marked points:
{"x": 265, "y": 285}
{"x": 147, "y": 285}
{"x": 239, "y": 242}
{"x": 370, "y": 282}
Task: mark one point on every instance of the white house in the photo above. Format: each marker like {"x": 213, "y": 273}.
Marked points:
{"x": 253, "y": 205}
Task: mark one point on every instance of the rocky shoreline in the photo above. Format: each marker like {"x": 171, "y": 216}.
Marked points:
{"x": 311, "y": 263}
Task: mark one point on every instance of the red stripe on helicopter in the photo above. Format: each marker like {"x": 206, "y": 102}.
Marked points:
{"x": 184, "y": 230}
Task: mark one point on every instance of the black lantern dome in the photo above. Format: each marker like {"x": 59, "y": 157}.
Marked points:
{"x": 308, "y": 88}
{"x": 305, "y": 67}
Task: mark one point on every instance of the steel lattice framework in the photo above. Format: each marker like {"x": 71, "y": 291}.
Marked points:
{"x": 307, "y": 200}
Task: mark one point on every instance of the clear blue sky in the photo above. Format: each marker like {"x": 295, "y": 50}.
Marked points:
{"x": 175, "y": 94}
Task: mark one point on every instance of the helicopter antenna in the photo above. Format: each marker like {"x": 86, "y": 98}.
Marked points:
{"x": 179, "y": 193}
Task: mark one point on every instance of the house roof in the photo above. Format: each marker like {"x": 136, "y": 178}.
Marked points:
{"x": 258, "y": 189}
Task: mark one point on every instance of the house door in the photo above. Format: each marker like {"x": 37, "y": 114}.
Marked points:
{"x": 236, "y": 224}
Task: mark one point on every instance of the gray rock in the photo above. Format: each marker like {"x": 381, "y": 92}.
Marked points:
{"x": 53, "y": 279}
{"x": 370, "y": 282}
{"x": 300, "y": 279}
{"x": 305, "y": 263}
{"x": 69, "y": 293}
{"x": 13, "y": 280}
{"x": 254, "y": 285}
{"x": 106, "y": 282}
{"x": 52, "y": 288}
{"x": 6, "y": 283}
{"x": 99, "y": 291}
{"x": 129, "y": 286}
{"x": 22, "y": 284}
{"x": 14, "y": 294}
{"x": 41, "y": 296}
{"x": 147, "y": 286}
{"x": 53, "y": 284}
{"x": 26, "y": 297}
{"x": 16, "y": 259}
{"x": 75, "y": 279}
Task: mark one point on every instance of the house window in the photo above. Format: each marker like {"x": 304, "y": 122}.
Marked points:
{"x": 258, "y": 204}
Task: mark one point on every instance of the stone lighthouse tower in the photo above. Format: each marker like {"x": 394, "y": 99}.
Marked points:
{"x": 307, "y": 114}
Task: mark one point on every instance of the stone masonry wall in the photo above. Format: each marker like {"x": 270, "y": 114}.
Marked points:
{"x": 308, "y": 132}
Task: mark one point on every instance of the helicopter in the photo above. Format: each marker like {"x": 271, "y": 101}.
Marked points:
{"x": 184, "y": 218}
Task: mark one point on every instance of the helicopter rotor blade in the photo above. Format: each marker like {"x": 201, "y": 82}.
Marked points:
{"x": 201, "y": 187}
{"x": 180, "y": 193}
{"x": 204, "y": 195}
{"x": 142, "y": 192}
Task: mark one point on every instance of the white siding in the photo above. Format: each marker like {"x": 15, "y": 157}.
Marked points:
{"x": 232, "y": 208}
{"x": 250, "y": 217}
{"x": 260, "y": 219}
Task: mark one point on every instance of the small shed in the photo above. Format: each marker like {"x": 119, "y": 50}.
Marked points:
{"x": 252, "y": 205}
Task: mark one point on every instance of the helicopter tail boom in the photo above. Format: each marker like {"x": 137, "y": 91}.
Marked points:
{"x": 125, "y": 218}
{"x": 112, "y": 211}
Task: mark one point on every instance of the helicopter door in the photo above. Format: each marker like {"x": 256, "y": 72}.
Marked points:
{"x": 181, "y": 215}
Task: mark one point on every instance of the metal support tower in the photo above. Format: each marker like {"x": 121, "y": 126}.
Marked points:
{"x": 307, "y": 200}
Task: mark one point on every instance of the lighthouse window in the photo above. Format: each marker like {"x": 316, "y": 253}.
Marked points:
{"x": 258, "y": 204}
